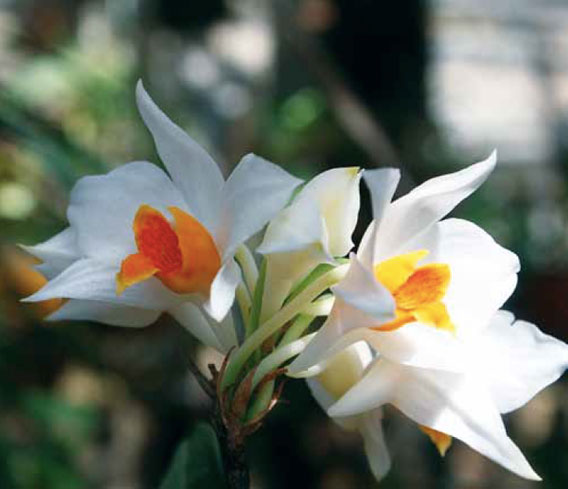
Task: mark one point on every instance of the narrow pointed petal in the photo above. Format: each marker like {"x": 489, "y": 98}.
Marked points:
{"x": 362, "y": 291}
{"x": 222, "y": 293}
{"x": 426, "y": 204}
{"x": 451, "y": 403}
{"x": 220, "y": 336}
{"x": 382, "y": 184}
{"x": 519, "y": 361}
{"x": 102, "y": 208}
{"x": 56, "y": 253}
{"x": 370, "y": 427}
{"x": 89, "y": 279}
{"x": 194, "y": 172}
{"x": 254, "y": 193}
{"x": 104, "y": 312}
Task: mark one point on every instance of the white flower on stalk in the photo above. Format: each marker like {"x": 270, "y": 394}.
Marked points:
{"x": 315, "y": 228}
{"x": 141, "y": 241}
{"x": 422, "y": 291}
{"x": 340, "y": 375}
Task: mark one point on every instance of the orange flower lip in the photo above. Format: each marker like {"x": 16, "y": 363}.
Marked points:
{"x": 183, "y": 256}
{"x": 418, "y": 291}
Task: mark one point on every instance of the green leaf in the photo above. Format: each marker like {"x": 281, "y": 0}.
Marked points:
{"x": 197, "y": 462}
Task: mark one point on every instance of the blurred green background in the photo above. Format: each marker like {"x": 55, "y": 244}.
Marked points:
{"x": 429, "y": 86}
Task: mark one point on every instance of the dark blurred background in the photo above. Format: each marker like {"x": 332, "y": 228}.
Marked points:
{"x": 429, "y": 86}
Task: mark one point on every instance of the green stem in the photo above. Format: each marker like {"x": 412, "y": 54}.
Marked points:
{"x": 244, "y": 301}
{"x": 321, "y": 306}
{"x": 262, "y": 400}
{"x": 296, "y": 329}
{"x": 248, "y": 266}
{"x": 269, "y": 327}
{"x": 278, "y": 357}
{"x": 256, "y": 307}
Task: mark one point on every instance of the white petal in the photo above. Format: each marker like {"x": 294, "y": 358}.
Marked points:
{"x": 296, "y": 228}
{"x": 519, "y": 360}
{"x": 322, "y": 397}
{"x": 483, "y": 273}
{"x": 371, "y": 428}
{"x": 220, "y": 336}
{"x": 102, "y": 208}
{"x": 254, "y": 193}
{"x": 283, "y": 270}
{"x": 447, "y": 402}
{"x": 104, "y": 312}
{"x": 89, "y": 279}
{"x": 362, "y": 291}
{"x": 336, "y": 193}
{"x": 57, "y": 253}
{"x": 343, "y": 327}
{"x": 382, "y": 184}
{"x": 222, "y": 293}
{"x": 419, "y": 345}
{"x": 426, "y": 204}
{"x": 194, "y": 172}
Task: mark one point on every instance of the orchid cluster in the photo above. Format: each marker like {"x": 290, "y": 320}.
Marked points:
{"x": 411, "y": 318}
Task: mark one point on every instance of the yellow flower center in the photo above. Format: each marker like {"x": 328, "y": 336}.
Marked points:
{"x": 418, "y": 290}
{"x": 183, "y": 256}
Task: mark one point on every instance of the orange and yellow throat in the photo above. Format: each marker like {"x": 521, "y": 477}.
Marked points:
{"x": 182, "y": 255}
{"x": 418, "y": 290}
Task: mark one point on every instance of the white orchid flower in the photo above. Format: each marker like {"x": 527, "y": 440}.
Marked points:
{"x": 315, "y": 228}
{"x": 507, "y": 364}
{"x": 141, "y": 241}
{"x": 441, "y": 280}
{"x": 341, "y": 374}
{"x": 422, "y": 291}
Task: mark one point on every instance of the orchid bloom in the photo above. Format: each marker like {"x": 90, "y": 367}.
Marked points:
{"x": 315, "y": 228}
{"x": 422, "y": 292}
{"x": 340, "y": 375}
{"x": 141, "y": 242}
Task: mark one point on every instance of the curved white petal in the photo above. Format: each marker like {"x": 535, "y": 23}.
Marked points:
{"x": 57, "y": 253}
{"x": 343, "y": 327}
{"x": 447, "y": 402}
{"x": 91, "y": 280}
{"x": 254, "y": 193}
{"x": 102, "y": 208}
{"x": 371, "y": 429}
{"x": 194, "y": 172}
{"x": 419, "y": 345}
{"x": 519, "y": 360}
{"x": 295, "y": 228}
{"x": 413, "y": 213}
{"x": 336, "y": 193}
{"x": 222, "y": 293}
{"x": 324, "y": 213}
{"x": 382, "y": 184}
{"x": 362, "y": 291}
{"x": 483, "y": 273}
{"x": 220, "y": 336}
{"x": 104, "y": 312}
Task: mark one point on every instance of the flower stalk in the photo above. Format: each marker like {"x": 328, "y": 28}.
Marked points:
{"x": 271, "y": 326}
